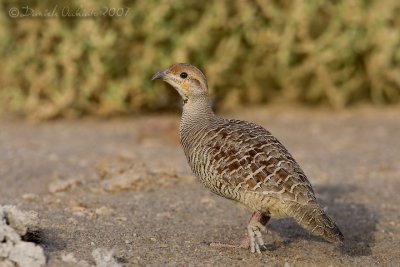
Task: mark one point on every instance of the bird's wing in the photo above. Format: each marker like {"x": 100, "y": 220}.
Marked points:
{"x": 247, "y": 157}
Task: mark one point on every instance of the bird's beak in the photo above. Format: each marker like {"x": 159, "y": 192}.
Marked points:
{"x": 159, "y": 75}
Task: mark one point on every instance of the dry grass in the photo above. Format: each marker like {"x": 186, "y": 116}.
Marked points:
{"x": 315, "y": 52}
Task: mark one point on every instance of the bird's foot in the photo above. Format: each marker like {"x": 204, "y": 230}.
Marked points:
{"x": 245, "y": 243}
{"x": 256, "y": 242}
{"x": 253, "y": 238}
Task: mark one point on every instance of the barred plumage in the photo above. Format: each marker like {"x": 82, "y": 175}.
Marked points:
{"x": 242, "y": 161}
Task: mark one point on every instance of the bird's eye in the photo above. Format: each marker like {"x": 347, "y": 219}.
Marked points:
{"x": 183, "y": 75}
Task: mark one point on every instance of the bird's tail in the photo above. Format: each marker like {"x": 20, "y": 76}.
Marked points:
{"x": 315, "y": 220}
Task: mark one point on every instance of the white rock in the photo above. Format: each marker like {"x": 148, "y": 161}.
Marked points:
{"x": 105, "y": 258}
{"x": 26, "y": 254}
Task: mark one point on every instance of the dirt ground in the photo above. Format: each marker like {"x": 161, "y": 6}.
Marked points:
{"x": 124, "y": 184}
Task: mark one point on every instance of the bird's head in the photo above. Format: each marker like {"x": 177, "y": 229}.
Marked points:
{"x": 188, "y": 80}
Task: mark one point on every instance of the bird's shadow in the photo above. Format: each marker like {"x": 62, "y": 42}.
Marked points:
{"x": 356, "y": 221}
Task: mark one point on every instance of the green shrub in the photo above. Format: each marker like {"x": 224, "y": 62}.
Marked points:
{"x": 315, "y": 52}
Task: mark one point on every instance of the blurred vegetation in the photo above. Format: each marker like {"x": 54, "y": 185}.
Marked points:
{"x": 315, "y": 52}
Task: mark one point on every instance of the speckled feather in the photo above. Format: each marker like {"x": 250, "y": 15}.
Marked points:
{"x": 242, "y": 161}
{"x": 245, "y": 157}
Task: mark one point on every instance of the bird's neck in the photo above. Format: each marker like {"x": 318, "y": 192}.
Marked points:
{"x": 197, "y": 112}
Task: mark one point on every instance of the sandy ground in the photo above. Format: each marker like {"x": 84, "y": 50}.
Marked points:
{"x": 124, "y": 184}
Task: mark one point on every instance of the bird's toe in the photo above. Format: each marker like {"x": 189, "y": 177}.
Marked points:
{"x": 256, "y": 240}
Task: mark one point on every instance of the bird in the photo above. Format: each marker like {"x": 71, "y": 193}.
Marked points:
{"x": 244, "y": 162}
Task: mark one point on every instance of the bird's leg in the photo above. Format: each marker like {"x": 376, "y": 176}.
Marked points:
{"x": 256, "y": 225}
{"x": 253, "y": 238}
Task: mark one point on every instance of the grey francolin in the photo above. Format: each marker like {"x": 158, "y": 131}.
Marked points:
{"x": 243, "y": 162}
